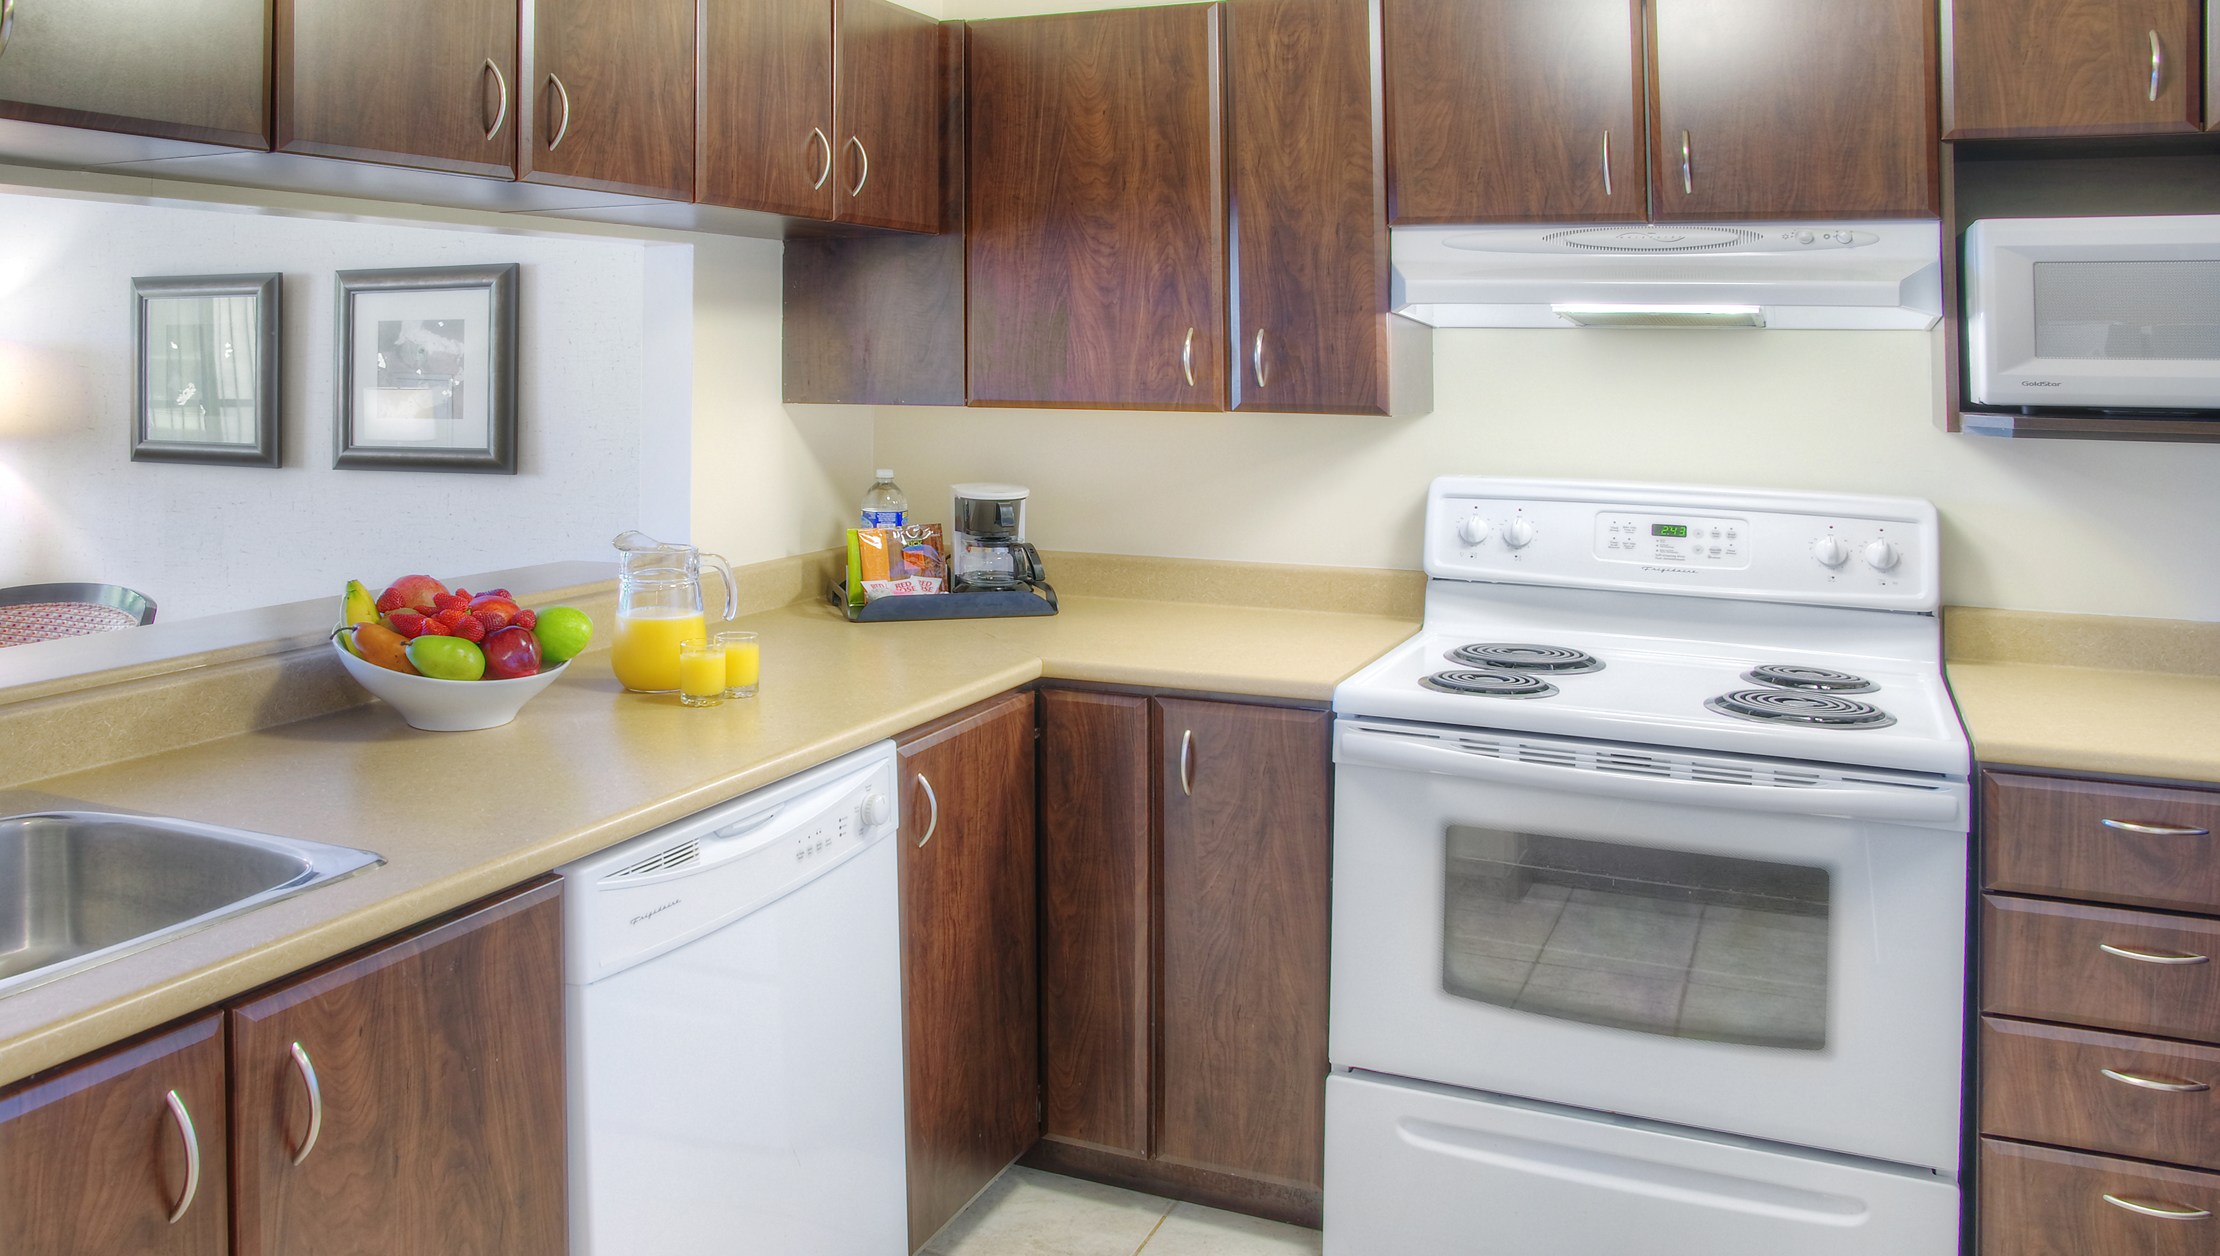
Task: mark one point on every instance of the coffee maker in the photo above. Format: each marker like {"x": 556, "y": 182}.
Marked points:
{"x": 989, "y": 552}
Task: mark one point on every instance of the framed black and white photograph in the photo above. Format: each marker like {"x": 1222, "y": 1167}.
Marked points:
{"x": 427, "y": 369}
{"x": 205, "y": 381}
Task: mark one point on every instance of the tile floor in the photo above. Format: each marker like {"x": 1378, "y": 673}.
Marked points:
{"x": 1026, "y": 1212}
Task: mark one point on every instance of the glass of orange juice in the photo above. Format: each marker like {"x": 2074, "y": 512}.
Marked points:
{"x": 743, "y": 663}
{"x": 701, "y": 673}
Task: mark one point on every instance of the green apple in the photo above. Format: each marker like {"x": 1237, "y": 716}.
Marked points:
{"x": 447, "y": 658}
{"x": 563, "y": 631}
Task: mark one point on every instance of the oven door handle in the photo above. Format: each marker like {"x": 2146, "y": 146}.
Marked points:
{"x": 1359, "y": 747}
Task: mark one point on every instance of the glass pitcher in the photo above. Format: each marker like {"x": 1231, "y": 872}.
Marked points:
{"x": 659, "y": 605}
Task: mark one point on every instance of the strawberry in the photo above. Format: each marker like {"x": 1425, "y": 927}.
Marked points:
{"x": 494, "y": 621}
{"x": 452, "y": 617}
{"x": 434, "y": 628}
{"x": 408, "y": 623}
{"x": 470, "y": 629}
{"x": 527, "y": 620}
{"x": 449, "y": 602}
{"x": 500, "y": 593}
{"x": 465, "y": 595}
{"x": 392, "y": 600}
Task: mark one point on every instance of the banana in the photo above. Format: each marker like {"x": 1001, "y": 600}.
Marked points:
{"x": 359, "y": 607}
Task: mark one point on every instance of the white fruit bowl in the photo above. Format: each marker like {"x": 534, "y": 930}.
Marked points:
{"x": 448, "y": 706}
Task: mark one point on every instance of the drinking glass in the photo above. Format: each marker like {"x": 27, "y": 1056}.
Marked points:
{"x": 743, "y": 662}
{"x": 701, "y": 673}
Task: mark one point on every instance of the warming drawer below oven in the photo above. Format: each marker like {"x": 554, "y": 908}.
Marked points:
{"x": 1420, "y": 1170}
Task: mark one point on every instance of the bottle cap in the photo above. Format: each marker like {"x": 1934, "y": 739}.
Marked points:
{"x": 883, "y": 473}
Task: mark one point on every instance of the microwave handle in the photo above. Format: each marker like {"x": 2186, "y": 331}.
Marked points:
{"x": 1359, "y": 747}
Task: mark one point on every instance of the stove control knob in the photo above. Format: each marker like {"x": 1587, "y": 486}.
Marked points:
{"x": 1881, "y": 556}
{"x": 1830, "y": 551}
{"x": 1518, "y": 534}
{"x": 1473, "y": 529}
{"x": 875, "y": 810}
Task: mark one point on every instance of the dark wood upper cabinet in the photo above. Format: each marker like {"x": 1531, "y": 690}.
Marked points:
{"x": 1097, "y": 985}
{"x": 606, "y": 99}
{"x": 1306, "y": 181}
{"x": 888, "y": 117}
{"x": 194, "y": 70}
{"x": 1793, "y": 109}
{"x": 426, "y": 83}
{"x": 124, "y": 1151}
{"x": 1245, "y": 869}
{"x": 2071, "y": 67}
{"x": 409, "y": 1098}
{"x": 1096, "y": 231}
{"x": 969, "y": 986}
{"x": 765, "y": 97}
{"x": 1516, "y": 111}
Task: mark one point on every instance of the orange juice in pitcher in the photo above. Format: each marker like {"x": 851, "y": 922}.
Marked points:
{"x": 658, "y": 606}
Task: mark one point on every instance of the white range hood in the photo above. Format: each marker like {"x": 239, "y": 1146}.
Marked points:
{"x": 1793, "y": 275}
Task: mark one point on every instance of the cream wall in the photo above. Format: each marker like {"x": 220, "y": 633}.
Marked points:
{"x": 2110, "y": 528}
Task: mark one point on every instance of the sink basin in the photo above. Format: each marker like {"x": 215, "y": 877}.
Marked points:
{"x": 79, "y": 888}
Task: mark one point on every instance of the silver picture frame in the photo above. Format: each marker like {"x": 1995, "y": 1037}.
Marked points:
{"x": 427, "y": 370}
{"x": 207, "y": 369}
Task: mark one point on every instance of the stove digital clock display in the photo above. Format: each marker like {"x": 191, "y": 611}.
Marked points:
{"x": 1669, "y": 529}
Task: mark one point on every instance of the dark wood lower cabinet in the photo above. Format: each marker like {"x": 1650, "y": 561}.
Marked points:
{"x": 123, "y": 1152}
{"x": 409, "y": 1098}
{"x": 2039, "y": 1201}
{"x": 969, "y": 976}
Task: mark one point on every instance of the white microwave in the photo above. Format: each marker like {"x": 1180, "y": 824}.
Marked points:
{"x": 2107, "y": 313}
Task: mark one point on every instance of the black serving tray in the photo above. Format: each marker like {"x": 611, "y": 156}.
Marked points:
{"x": 1000, "y": 604}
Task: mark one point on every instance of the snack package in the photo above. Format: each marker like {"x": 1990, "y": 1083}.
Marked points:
{"x": 900, "y": 562}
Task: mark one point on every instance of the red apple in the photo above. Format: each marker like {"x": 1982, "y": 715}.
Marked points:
{"x": 410, "y": 593}
{"x": 510, "y": 653}
{"x": 494, "y": 602}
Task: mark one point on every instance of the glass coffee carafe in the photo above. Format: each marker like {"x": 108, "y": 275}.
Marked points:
{"x": 659, "y": 604}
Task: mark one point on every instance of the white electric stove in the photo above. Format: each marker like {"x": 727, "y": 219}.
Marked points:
{"x": 1649, "y": 885}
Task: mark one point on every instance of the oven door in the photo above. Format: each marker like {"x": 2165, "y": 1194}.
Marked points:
{"x": 1770, "y": 949}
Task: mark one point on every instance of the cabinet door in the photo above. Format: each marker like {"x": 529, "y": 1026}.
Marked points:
{"x": 122, "y": 1152}
{"x": 1793, "y": 109}
{"x": 2070, "y": 67}
{"x": 766, "y": 90}
{"x": 117, "y": 65}
{"x": 1246, "y": 854}
{"x": 1097, "y": 219}
{"x": 1095, "y": 929}
{"x": 1516, "y": 111}
{"x": 1309, "y": 211}
{"x": 970, "y": 1022}
{"x": 429, "y": 83}
{"x": 409, "y": 1097}
{"x": 607, "y": 96}
{"x": 889, "y": 172}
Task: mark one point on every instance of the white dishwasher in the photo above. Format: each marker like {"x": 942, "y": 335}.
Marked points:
{"x": 734, "y": 1001}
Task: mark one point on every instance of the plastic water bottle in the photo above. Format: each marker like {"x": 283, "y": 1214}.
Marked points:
{"x": 885, "y": 506}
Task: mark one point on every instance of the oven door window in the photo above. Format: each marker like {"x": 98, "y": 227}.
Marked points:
{"x": 1659, "y": 941}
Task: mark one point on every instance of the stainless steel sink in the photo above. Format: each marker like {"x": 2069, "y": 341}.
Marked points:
{"x": 79, "y": 888}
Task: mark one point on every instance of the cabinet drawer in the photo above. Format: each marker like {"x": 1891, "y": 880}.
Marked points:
{"x": 2088, "y": 839}
{"x": 2134, "y": 970}
{"x": 2040, "y": 1202}
{"x": 2107, "y": 1092}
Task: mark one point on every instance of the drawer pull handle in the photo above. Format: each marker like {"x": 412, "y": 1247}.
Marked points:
{"x": 2158, "y": 66}
{"x": 502, "y": 81}
{"x": 307, "y": 1070}
{"x": 2153, "y": 957}
{"x": 1187, "y": 763}
{"x": 2172, "y": 1085}
{"x": 2157, "y": 830}
{"x": 2158, "y": 1208}
{"x": 932, "y": 800}
{"x": 191, "y": 1137}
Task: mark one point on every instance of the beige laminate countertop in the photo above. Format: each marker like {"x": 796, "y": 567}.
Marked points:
{"x": 2090, "y": 719}
{"x": 459, "y": 816}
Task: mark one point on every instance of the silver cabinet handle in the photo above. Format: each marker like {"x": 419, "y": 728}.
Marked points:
{"x": 2171, "y": 1085}
{"x": 1187, "y": 357}
{"x": 934, "y": 822}
{"x": 7, "y": 23}
{"x": 502, "y": 115}
{"x": 2153, "y": 957}
{"x": 307, "y": 1069}
{"x": 818, "y": 137}
{"x": 185, "y": 1130}
{"x": 2158, "y": 65}
{"x": 2158, "y": 1208}
{"x": 563, "y": 129}
{"x": 1607, "y": 161}
{"x": 1256, "y": 358}
{"x": 1187, "y": 763}
{"x": 1687, "y": 166}
{"x": 863, "y": 159}
{"x": 2157, "y": 830}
